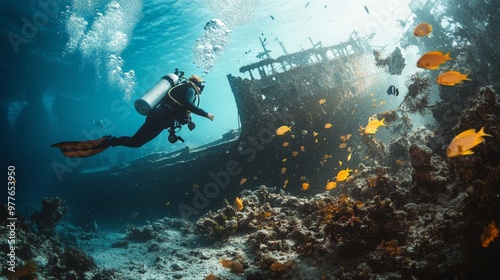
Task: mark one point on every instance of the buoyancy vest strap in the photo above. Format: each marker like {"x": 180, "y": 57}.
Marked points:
{"x": 197, "y": 92}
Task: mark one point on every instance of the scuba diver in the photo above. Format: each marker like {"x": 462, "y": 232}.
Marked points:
{"x": 167, "y": 105}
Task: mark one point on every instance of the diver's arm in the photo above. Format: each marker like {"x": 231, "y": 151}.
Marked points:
{"x": 188, "y": 104}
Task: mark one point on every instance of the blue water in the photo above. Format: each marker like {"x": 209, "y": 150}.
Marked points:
{"x": 67, "y": 65}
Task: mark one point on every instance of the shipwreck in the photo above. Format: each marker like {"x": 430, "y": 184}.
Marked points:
{"x": 276, "y": 91}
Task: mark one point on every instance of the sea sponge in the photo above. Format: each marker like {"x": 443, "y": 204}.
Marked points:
{"x": 235, "y": 266}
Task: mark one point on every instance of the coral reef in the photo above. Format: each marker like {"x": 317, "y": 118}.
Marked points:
{"x": 425, "y": 173}
{"x": 53, "y": 210}
{"x": 417, "y": 98}
{"x": 393, "y": 64}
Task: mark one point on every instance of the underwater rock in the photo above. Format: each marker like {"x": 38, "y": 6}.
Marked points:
{"x": 74, "y": 259}
{"x": 424, "y": 174}
{"x": 106, "y": 274}
{"x": 140, "y": 234}
{"x": 53, "y": 210}
{"x": 484, "y": 111}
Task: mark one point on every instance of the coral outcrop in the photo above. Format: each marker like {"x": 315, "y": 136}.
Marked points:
{"x": 53, "y": 210}
{"x": 39, "y": 247}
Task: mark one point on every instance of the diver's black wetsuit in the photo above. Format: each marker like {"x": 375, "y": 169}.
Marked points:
{"x": 163, "y": 116}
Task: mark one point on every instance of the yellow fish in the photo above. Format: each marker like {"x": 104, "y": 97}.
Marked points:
{"x": 283, "y": 129}
{"x": 295, "y": 153}
{"x": 373, "y": 125}
{"x": 302, "y": 148}
{"x": 315, "y": 133}
{"x": 305, "y": 186}
{"x": 422, "y": 29}
{"x": 348, "y": 136}
{"x": 283, "y": 160}
{"x": 331, "y": 185}
{"x": 285, "y": 144}
{"x": 283, "y": 170}
{"x": 239, "y": 204}
{"x": 451, "y": 78}
{"x": 243, "y": 181}
{"x": 462, "y": 144}
{"x": 343, "y": 174}
{"x": 349, "y": 157}
{"x": 321, "y": 101}
{"x": 340, "y": 163}
{"x": 342, "y": 138}
{"x": 343, "y": 145}
{"x": 432, "y": 60}
{"x": 285, "y": 183}
{"x": 328, "y": 125}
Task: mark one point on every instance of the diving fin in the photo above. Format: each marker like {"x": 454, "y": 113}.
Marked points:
{"x": 81, "y": 149}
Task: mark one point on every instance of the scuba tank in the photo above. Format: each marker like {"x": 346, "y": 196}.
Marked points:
{"x": 151, "y": 98}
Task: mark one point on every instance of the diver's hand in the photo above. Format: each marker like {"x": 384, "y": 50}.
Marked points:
{"x": 210, "y": 116}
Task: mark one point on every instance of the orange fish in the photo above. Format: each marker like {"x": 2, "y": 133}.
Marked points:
{"x": 302, "y": 148}
{"x": 295, "y": 153}
{"x": 243, "y": 181}
{"x": 331, "y": 185}
{"x": 321, "y": 101}
{"x": 343, "y": 174}
{"x": 328, "y": 125}
{"x": 267, "y": 214}
{"x": 432, "y": 60}
{"x": 283, "y": 129}
{"x": 283, "y": 170}
{"x": 305, "y": 186}
{"x": 422, "y": 29}
{"x": 348, "y": 136}
{"x": 239, "y": 203}
{"x": 343, "y": 145}
{"x": 451, "y": 78}
{"x": 462, "y": 144}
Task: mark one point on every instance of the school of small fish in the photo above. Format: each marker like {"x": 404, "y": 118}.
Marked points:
{"x": 461, "y": 145}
